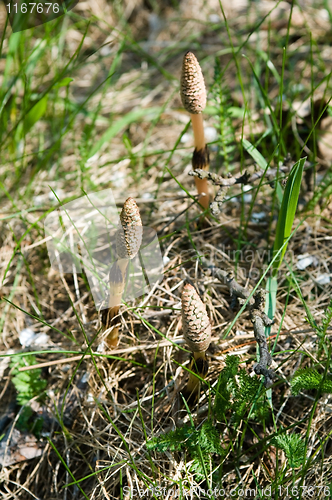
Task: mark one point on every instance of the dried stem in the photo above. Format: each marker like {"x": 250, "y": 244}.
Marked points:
{"x": 265, "y": 360}
{"x": 226, "y": 182}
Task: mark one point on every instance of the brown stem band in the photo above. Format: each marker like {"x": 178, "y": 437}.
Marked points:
{"x": 200, "y": 160}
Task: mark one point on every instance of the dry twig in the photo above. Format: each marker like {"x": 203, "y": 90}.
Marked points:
{"x": 259, "y": 319}
{"x": 226, "y": 182}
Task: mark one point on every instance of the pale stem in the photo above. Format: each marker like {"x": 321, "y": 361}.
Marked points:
{"x": 116, "y": 292}
{"x": 199, "y": 140}
{"x": 198, "y": 129}
{"x": 203, "y": 187}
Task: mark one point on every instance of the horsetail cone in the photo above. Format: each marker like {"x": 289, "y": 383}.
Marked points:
{"x": 129, "y": 235}
{"x": 193, "y": 92}
{"x": 193, "y": 96}
{"x": 195, "y": 321}
{"x": 128, "y": 241}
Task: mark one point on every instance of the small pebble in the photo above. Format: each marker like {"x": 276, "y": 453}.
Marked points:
{"x": 214, "y": 18}
{"x": 90, "y": 398}
{"x": 305, "y": 261}
{"x": 166, "y": 260}
{"x": 323, "y": 279}
{"x": 26, "y": 337}
{"x": 105, "y": 51}
{"x": 185, "y": 138}
{"x": 258, "y": 216}
{"x": 211, "y": 134}
{"x": 147, "y": 196}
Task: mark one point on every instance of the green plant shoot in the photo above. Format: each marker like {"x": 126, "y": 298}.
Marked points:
{"x": 283, "y": 232}
{"x": 287, "y": 213}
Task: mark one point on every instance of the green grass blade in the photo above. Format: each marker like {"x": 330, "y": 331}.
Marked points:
{"x": 64, "y": 82}
{"x": 271, "y": 300}
{"x": 35, "y": 113}
{"x": 287, "y": 212}
{"x": 66, "y": 467}
{"x": 255, "y": 154}
{"x": 123, "y": 122}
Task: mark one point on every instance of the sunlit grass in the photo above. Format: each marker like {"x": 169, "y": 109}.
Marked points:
{"x": 87, "y": 103}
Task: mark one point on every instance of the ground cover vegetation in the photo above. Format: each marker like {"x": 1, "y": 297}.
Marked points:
{"x": 217, "y": 381}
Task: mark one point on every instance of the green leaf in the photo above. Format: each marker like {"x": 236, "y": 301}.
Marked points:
{"x": 293, "y": 446}
{"x": 23, "y": 377}
{"x": 40, "y": 47}
{"x": 222, "y": 400}
{"x": 13, "y": 49}
{"x": 35, "y": 114}
{"x": 23, "y": 421}
{"x": 21, "y": 386}
{"x": 308, "y": 379}
{"x": 287, "y": 212}
{"x": 64, "y": 82}
{"x": 28, "y": 384}
{"x": 199, "y": 443}
{"x": 209, "y": 439}
{"x": 172, "y": 441}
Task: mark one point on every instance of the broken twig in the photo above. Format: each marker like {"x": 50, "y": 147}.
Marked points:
{"x": 259, "y": 319}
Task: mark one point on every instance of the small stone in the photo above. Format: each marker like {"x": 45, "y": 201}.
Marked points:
{"x": 323, "y": 279}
